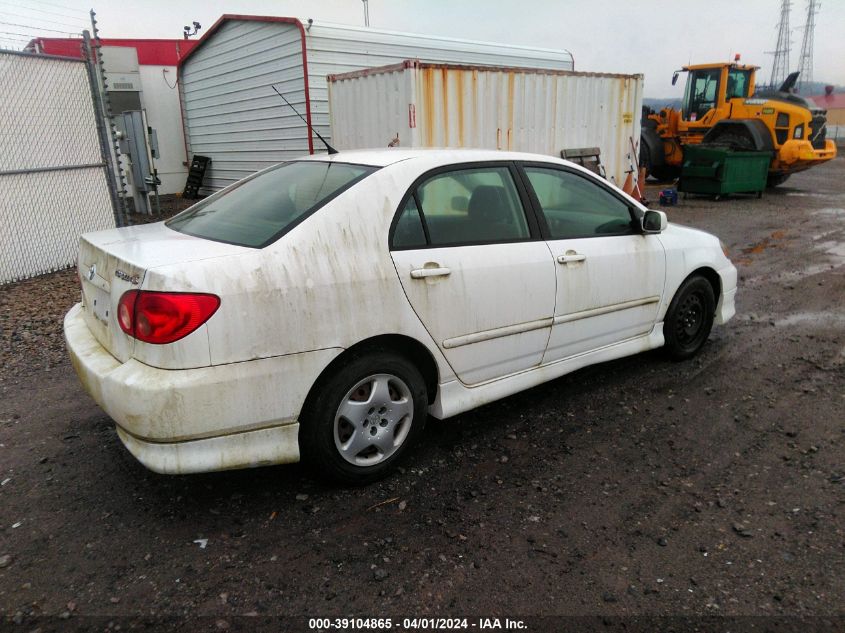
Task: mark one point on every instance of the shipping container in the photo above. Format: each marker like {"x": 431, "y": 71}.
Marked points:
{"x": 231, "y": 113}
{"x": 418, "y": 104}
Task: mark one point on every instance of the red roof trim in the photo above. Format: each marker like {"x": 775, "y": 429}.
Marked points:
{"x": 151, "y": 52}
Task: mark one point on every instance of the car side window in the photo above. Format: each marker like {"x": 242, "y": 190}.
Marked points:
{"x": 465, "y": 206}
{"x": 409, "y": 232}
{"x": 575, "y": 207}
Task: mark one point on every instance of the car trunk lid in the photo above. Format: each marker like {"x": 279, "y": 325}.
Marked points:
{"x": 115, "y": 261}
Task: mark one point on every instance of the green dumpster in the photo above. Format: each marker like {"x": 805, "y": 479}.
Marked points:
{"x": 718, "y": 170}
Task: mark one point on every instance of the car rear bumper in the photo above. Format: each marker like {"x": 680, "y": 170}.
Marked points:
{"x": 195, "y": 420}
{"x": 276, "y": 445}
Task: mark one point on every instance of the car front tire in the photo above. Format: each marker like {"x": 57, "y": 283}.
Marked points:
{"x": 689, "y": 319}
{"x": 363, "y": 418}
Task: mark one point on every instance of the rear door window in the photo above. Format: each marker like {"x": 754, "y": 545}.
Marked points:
{"x": 463, "y": 206}
{"x": 260, "y": 209}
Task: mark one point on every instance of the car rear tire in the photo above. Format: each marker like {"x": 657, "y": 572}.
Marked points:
{"x": 363, "y": 418}
{"x": 689, "y": 319}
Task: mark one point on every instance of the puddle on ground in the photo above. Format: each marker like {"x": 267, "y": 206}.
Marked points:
{"x": 812, "y": 318}
{"x": 812, "y": 194}
{"x": 819, "y": 236}
{"x": 765, "y": 243}
{"x": 825, "y": 243}
{"x": 835, "y": 249}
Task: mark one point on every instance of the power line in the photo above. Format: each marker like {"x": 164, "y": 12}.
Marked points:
{"x": 56, "y": 13}
{"x": 29, "y": 27}
{"x": 32, "y": 37}
{"x": 50, "y": 4}
{"x": 29, "y": 17}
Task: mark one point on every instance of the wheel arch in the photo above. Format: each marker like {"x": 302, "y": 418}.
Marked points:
{"x": 400, "y": 344}
{"x": 754, "y": 129}
{"x": 710, "y": 275}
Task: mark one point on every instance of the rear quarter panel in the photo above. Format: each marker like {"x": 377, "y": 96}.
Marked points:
{"x": 329, "y": 282}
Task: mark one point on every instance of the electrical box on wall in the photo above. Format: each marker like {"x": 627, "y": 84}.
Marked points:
{"x": 123, "y": 78}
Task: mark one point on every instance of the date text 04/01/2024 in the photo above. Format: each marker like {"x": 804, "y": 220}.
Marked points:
{"x": 412, "y": 624}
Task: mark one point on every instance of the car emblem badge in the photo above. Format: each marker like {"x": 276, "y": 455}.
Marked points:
{"x": 132, "y": 279}
{"x": 91, "y": 272}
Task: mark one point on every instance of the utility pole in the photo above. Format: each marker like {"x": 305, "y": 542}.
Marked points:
{"x": 780, "y": 64}
{"x": 366, "y": 13}
{"x": 805, "y": 64}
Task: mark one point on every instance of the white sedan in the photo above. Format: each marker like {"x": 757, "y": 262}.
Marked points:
{"x": 323, "y": 307}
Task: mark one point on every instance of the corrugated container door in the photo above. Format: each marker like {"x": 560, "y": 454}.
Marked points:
{"x": 530, "y": 110}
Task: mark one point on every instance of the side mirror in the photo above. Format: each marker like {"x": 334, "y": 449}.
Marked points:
{"x": 674, "y": 77}
{"x": 654, "y": 221}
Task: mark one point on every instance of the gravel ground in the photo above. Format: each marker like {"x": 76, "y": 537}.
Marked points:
{"x": 31, "y": 311}
{"x": 638, "y": 487}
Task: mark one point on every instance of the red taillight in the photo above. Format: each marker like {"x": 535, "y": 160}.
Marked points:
{"x": 164, "y": 317}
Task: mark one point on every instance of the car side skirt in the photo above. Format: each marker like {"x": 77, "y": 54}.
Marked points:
{"x": 454, "y": 398}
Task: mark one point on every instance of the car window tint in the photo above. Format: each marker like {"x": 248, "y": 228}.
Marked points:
{"x": 575, "y": 207}
{"x": 409, "y": 232}
{"x": 261, "y": 208}
{"x": 472, "y": 205}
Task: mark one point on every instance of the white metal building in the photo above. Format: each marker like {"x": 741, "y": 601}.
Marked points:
{"x": 415, "y": 104}
{"x": 232, "y": 114}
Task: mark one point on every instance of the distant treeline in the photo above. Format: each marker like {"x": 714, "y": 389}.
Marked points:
{"x": 659, "y": 104}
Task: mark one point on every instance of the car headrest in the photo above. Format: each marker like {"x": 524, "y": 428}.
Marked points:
{"x": 489, "y": 204}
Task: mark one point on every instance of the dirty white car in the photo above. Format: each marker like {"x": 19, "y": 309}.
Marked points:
{"x": 324, "y": 307}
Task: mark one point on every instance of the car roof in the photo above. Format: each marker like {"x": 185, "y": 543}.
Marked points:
{"x": 382, "y": 157}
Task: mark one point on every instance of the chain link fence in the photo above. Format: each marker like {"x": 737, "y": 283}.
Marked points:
{"x": 55, "y": 182}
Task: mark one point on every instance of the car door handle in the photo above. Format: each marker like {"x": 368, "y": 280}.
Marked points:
{"x": 571, "y": 256}
{"x": 422, "y": 273}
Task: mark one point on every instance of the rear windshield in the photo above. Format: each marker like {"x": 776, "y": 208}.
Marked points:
{"x": 260, "y": 209}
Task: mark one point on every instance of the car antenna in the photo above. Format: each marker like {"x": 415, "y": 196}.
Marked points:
{"x": 329, "y": 148}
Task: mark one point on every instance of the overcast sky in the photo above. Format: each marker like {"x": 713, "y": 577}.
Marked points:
{"x": 652, "y": 37}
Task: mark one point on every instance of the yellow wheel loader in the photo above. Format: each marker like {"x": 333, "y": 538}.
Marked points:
{"x": 720, "y": 107}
